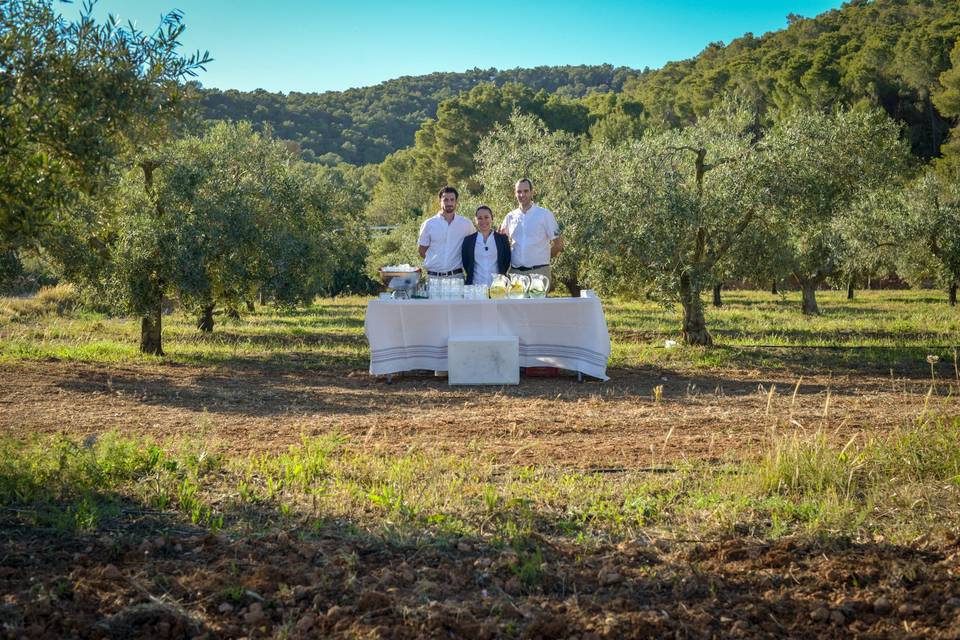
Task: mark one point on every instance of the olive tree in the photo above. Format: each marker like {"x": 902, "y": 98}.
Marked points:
{"x": 666, "y": 209}
{"x": 73, "y": 97}
{"x": 249, "y": 217}
{"x": 554, "y": 163}
{"x": 871, "y": 240}
{"x": 823, "y": 164}
{"x": 930, "y": 232}
{"x": 216, "y": 219}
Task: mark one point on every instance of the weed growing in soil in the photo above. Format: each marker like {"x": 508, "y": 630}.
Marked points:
{"x": 894, "y": 486}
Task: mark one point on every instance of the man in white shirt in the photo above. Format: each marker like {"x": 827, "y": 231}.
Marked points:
{"x": 533, "y": 231}
{"x": 441, "y": 237}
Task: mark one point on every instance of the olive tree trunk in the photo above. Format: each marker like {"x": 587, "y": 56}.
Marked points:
{"x": 809, "y": 288}
{"x": 694, "y": 324}
{"x": 717, "y": 300}
{"x": 151, "y": 332}
{"x": 572, "y": 286}
{"x": 205, "y": 321}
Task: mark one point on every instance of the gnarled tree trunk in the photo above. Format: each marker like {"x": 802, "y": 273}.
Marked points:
{"x": 572, "y": 286}
{"x": 694, "y": 324}
{"x": 205, "y": 321}
{"x": 717, "y": 300}
{"x": 809, "y": 288}
{"x": 151, "y": 332}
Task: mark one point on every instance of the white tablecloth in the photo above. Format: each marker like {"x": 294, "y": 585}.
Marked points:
{"x": 569, "y": 333}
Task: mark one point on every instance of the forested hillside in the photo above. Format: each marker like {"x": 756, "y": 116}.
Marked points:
{"x": 362, "y": 126}
{"x": 888, "y": 53}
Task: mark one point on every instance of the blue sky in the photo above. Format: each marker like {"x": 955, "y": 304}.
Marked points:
{"x": 284, "y": 45}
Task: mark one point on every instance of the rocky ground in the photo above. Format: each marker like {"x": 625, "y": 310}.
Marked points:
{"x": 139, "y": 585}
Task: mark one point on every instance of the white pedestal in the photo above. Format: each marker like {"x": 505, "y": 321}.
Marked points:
{"x": 483, "y": 360}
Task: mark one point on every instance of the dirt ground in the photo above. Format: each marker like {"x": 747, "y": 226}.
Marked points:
{"x": 203, "y": 586}
{"x": 157, "y": 579}
{"x": 543, "y": 420}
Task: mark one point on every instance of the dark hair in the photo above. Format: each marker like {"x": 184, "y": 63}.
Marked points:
{"x": 449, "y": 190}
{"x": 527, "y": 180}
{"x": 483, "y": 206}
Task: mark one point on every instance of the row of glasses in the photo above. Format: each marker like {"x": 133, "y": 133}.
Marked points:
{"x": 475, "y": 292}
{"x": 445, "y": 288}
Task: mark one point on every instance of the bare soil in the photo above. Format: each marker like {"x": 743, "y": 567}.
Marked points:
{"x": 557, "y": 421}
{"x": 196, "y": 586}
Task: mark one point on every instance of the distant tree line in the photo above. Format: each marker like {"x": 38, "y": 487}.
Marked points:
{"x": 364, "y": 125}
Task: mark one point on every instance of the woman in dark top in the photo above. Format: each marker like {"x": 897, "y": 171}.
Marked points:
{"x": 485, "y": 253}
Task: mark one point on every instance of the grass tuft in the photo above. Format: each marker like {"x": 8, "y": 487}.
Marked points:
{"x": 60, "y": 300}
{"x": 895, "y": 486}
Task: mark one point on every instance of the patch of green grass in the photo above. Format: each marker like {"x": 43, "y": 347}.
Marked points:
{"x": 327, "y": 334}
{"x": 877, "y": 330}
{"x": 757, "y": 329}
{"x": 895, "y": 486}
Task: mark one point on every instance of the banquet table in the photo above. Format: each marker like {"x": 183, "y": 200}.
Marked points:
{"x": 567, "y": 333}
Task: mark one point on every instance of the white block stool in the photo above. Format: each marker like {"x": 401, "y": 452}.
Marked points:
{"x": 483, "y": 360}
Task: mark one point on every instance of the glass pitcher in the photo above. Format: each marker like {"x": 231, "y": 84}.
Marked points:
{"x": 499, "y": 286}
{"x": 539, "y": 285}
{"x": 519, "y": 284}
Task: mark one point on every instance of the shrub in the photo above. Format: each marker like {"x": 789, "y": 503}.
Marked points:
{"x": 59, "y": 299}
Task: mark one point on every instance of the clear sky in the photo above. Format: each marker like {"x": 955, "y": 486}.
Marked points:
{"x": 287, "y": 45}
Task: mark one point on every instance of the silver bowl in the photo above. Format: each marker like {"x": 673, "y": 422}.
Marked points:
{"x": 400, "y": 279}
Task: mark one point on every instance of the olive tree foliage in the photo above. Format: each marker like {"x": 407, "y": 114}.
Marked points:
{"x": 73, "y": 97}
{"x": 554, "y": 162}
{"x": 666, "y": 209}
{"x": 251, "y": 219}
{"x": 348, "y": 191}
{"x": 870, "y": 237}
{"x": 393, "y": 247}
{"x": 216, "y": 220}
{"x": 930, "y": 232}
{"x": 825, "y": 163}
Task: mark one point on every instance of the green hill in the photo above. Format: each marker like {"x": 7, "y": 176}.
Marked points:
{"x": 364, "y": 125}
{"x": 888, "y": 53}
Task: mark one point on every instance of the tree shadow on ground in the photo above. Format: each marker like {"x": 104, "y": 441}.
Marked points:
{"x": 289, "y": 341}
{"x": 253, "y": 389}
{"x": 253, "y": 392}
{"x": 871, "y": 361}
